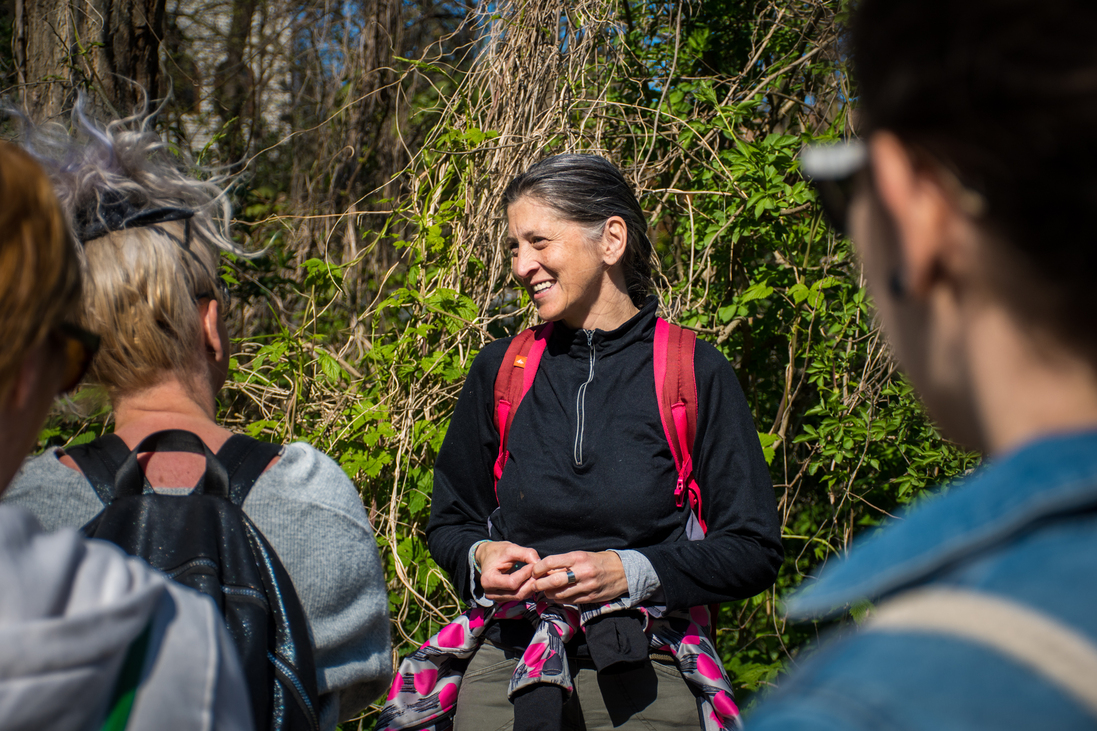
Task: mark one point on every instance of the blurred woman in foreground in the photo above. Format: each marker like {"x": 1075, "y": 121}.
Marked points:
{"x": 971, "y": 204}
{"x": 86, "y": 633}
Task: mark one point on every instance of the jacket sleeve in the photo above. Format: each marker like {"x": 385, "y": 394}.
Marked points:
{"x": 313, "y": 516}
{"x": 464, "y": 487}
{"x": 741, "y": 553}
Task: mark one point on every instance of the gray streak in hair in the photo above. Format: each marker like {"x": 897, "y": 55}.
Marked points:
{"x": 126, "y": 159}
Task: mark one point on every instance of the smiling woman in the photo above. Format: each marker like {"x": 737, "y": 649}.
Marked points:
{"x": 564, "y": 520}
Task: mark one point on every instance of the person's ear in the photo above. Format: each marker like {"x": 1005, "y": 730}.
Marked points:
{"x": 212, "y": 332}
{"x": 921, "y": 211}
{"x": 614, "y": 240}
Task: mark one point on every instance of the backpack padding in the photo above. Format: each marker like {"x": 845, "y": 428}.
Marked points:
{"x": 514, "y": 379}
{"x": 676, "y": 392}
{"x": 245, "y": 459}
{"x": 130, "y": 479}
{"x": 99, "y": 460}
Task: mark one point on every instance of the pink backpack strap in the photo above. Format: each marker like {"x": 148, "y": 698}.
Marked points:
{"x": 676, "y": 392}
{"x": 513, "y": 381}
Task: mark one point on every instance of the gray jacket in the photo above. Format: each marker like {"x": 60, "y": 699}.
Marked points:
{"x": 313, "y": 517}
{"x": 69, "y": 611}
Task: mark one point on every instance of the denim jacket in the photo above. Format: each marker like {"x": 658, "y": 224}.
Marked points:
{"x": 1021, "y": 531}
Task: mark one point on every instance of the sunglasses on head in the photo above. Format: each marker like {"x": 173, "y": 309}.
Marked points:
{"x": 833, "y": 170}
{"x": 80, "y": 347}
{"x": 222, "y": 287}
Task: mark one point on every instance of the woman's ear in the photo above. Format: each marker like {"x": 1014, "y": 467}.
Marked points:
{"x": 213, "y": 332}
{"x": 921, "y": 210}
{"x": 614, "y": 240}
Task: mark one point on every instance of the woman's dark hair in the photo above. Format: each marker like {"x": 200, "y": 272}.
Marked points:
{"x": 1003, "y": 92}
{"x": 588, "y": 189}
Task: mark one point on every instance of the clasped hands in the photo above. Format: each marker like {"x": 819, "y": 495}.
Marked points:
{"x": 599, "y": 577}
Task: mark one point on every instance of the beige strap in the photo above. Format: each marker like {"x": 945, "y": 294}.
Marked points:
{"x": 1031, "y": 638}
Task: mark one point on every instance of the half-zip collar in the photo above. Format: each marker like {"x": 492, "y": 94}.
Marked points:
{"x": 639, "y": 327}
{"x": 588, "y": 347}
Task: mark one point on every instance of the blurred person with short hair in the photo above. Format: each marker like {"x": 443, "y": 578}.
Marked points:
{"x": 87, "y": 635}
{"x": 969, "y": 200}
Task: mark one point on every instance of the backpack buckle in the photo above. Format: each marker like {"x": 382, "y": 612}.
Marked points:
{"x": 679, "y": 492}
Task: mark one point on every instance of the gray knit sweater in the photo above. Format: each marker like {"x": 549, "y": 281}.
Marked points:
{"x": 313, "y": 517}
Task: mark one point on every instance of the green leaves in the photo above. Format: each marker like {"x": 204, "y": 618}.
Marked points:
{"x": 319, "y": 273}
{"x": 769, "y": 445}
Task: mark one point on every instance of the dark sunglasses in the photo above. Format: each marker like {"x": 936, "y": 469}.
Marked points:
{"x": 80, "y": 347}
{"x": 834, "y": 171}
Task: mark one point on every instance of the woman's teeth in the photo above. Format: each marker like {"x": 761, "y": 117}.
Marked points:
{"x": 541, "y": 287}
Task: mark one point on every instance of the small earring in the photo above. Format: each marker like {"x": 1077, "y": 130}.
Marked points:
{"x": 896, "y": 286}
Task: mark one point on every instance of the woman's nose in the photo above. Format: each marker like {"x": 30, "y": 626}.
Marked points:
{"x": 523, "y": 263}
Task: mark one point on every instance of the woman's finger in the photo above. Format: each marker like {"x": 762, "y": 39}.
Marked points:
{"x": 599, "y": 578}
{"x": 553, "y": 581}
{"x": 522, "y": 593}
{"x": 516, "y": 554}
{"x": 504, "y": 552}
{"x": 558, "y": 561}
{"x": 500, "y": 580}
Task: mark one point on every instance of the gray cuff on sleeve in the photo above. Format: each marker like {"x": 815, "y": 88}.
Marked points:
{"x": 475, "y": 589}
{"x": 643, "y": 582}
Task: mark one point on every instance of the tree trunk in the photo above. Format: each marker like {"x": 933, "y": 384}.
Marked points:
{"x": 235, "y": 83}
{"x": 109, "y": 46}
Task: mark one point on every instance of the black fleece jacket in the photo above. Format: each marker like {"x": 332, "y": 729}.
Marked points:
{"x": 590, "y": 468}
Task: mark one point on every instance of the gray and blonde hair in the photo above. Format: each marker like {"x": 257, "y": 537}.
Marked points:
{"x": 143, "y": 283}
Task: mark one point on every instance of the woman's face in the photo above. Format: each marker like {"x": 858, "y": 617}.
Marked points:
{"x": 926, "y": 335}
{"x": 555, "y": 260}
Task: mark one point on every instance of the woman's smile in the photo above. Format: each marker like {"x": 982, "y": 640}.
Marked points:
{"x": 540, "y": 288}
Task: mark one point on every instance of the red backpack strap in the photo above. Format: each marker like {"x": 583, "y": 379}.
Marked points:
{"x": 676, "y": 392}
{"x": 514, "y": 379}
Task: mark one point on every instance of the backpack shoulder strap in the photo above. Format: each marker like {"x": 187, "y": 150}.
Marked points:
{"x": 514, "y": 379}
{"x": 1032, "y": 638}
{"x": 676, "y": 392}
{"x": 100, "y": 460}
{"x": 245, "y": 459}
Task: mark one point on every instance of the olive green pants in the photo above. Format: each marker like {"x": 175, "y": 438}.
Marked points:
{"x": 653, "y": 697}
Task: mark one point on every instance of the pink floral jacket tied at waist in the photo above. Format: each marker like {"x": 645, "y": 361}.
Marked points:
{"x": 424, "y": 692}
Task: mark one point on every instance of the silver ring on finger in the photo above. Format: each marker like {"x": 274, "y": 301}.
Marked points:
{"x": 571, "y": 578}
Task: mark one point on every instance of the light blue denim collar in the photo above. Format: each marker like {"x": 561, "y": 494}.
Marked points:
{"x": 1050, "y": 476}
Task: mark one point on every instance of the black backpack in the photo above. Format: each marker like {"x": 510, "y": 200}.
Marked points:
{"x": 205, "y": 541}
